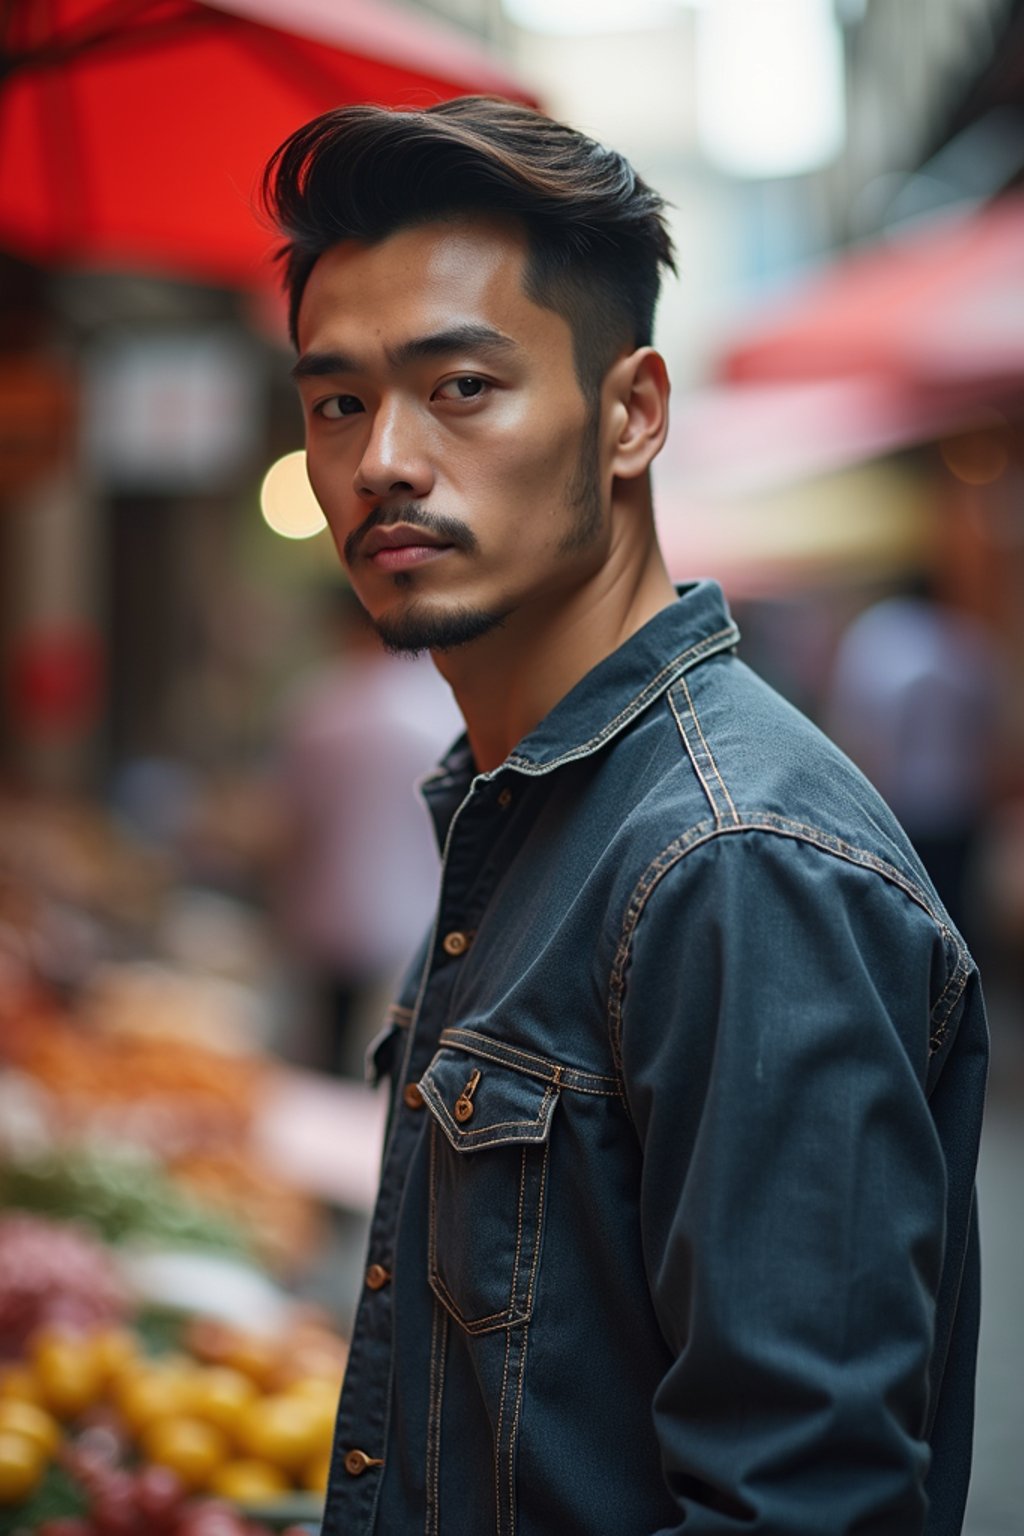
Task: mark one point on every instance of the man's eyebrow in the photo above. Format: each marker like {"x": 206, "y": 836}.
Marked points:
{"x": 318, "y": 365}
{"x": 455, "y": 339}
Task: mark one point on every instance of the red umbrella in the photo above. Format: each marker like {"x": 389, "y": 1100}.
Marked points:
{"x": 133, "y": 132}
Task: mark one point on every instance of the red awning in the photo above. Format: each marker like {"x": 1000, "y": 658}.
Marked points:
{"x": 940, "y": 307}
{"x": 739, "y": 440}
{"x": 133, "y": 132}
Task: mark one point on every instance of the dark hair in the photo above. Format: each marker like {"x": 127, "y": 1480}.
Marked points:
{"x": 596, "y": 232}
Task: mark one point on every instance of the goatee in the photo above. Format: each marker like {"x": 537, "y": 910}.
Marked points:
{"x": 418, "y": 628}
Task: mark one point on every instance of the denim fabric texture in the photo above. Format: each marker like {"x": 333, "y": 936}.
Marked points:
{"x": 676, "y": 1227}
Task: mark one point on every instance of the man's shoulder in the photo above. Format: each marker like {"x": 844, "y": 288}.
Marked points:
{"x": 758, "y": 822}
{"x": 733, "y": 756}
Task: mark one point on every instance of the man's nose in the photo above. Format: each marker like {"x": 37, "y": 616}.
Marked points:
{"x": 394, "y": 461}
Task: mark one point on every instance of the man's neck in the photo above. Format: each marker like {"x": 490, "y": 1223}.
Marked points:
{"x": 506, "y": 682}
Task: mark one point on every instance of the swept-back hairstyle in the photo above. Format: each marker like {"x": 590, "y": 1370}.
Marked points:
{"x": 596, "y": 232}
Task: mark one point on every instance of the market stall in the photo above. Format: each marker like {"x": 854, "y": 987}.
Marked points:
{"x": 166, "y": 1190}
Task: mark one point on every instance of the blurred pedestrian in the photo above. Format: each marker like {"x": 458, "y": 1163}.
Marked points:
{"x": 358, "y": 871}
{"x": 913, "y": 699}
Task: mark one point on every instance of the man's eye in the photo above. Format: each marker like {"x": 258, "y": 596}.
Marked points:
{"x": 338, "y": 406}
{"x": 468, "y": 387}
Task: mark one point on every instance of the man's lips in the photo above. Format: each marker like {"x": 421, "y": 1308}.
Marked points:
{"x": 402, "y": 545}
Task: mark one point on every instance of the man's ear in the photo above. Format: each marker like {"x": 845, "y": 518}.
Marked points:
{"x": 639, "y": 389}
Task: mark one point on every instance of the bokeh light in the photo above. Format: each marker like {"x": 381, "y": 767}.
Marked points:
{"x": 976, "y": 458}
{"x": 287, "y": 501}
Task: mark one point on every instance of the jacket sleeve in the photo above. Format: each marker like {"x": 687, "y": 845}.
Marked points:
{"x": 774, "y": 1047}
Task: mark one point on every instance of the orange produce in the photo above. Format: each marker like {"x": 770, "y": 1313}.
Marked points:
{"x": 314, "y": 1352}
{"x": 249, "y": 1482}
{"x": 66, "y": 1371}
{"x": 209, "y": 1339}
{"x": 22, "y": 1464}
{"x": 254, "y": 1355}
{"x": 228, "y": 1177}
{"x": 284, "y": 1429}
{"x": 188, "y": 1446}
{"x": 272, "y": 1361}
{"x": 19, "y": 1382}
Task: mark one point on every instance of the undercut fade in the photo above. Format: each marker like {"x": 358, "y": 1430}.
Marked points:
{"x": 596, "y": 232}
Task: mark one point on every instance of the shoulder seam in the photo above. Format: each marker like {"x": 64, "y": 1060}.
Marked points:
{"x": 700, "y": 753}
{"x": 705, "y": 832}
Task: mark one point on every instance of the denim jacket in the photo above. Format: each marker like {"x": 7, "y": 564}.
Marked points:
{"x": 676, "y": 1223}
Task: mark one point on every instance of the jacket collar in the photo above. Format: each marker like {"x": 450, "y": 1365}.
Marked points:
{"x": 618, "y": 689}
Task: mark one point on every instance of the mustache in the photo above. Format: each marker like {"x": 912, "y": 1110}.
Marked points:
{"x": 450, "y": 530}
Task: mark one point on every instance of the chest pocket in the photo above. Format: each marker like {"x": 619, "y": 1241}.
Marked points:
{"x": 488, "y": 1173}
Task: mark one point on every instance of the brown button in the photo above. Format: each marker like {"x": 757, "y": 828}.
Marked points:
{"x": 356, "y": 1463}
{"x": 455, "y": 943}
{"x": 413, "y": 1096}
{"x": 377, "y": 1277}
{"x": 505, "y": 799}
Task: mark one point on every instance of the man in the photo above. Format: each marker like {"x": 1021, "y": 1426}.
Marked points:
{"x": 676, "y": 1226}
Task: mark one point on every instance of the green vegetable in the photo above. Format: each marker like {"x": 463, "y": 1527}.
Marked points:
{"x": 58, "y": 1495}
{"x": 122, "y": 1195}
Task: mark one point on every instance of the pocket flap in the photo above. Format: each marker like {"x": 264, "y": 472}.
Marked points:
{"x": 481, "y": 1103}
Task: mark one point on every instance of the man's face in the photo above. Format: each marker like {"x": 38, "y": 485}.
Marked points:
{"x": 448, "y": 439}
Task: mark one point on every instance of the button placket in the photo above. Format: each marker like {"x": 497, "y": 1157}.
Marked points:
{"x": 351, "y": 1497}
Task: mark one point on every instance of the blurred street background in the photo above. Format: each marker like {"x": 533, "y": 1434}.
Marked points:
{"x": 199, "y": 853}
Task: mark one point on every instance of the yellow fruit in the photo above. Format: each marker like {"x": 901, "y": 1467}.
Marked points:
{"x": 18, "y": 1381}
{"x": 249, "y": 1482}
{"x": 219, "y": 1396}
{"x": 115, "y": 1351}
{"x": 285, "y": 1429}
{"x": 66, "y": 1372}
{"x": 22, "y": 1464}
{"x": 188, "y": 1446}
{"x": 153, "y": 1393}
{"x": 315, "y": 1475}
{"x": 317, "y": 1388}
{"x": 325, "y": 1409}
{"x": 21, "y": 1418}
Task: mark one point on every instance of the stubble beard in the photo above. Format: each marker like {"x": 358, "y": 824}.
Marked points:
{"x": 584, "y": 492}
{"x": 422, "y": 627}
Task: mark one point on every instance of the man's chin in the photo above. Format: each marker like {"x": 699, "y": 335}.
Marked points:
{"x": 421, "y": 627}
